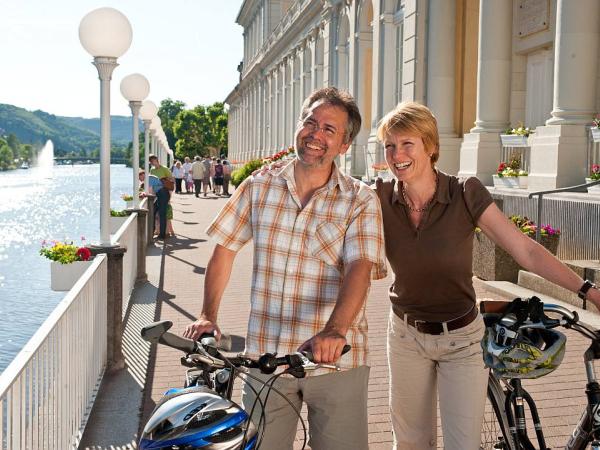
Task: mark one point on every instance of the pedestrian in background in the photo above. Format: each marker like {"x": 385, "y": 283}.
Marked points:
{"x": 226, "y": 177}
{"x": 198, "y": 173}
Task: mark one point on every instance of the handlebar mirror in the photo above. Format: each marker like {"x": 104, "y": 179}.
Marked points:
{"x": 153, "y": 332}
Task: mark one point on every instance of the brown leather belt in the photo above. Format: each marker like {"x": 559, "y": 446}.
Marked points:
{"x": 438, "y": 327}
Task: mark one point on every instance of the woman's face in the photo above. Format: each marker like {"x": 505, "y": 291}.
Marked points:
{"x": 406, "y": 156}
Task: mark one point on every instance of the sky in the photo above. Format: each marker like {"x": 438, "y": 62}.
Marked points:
{"x": 188, "y": 50}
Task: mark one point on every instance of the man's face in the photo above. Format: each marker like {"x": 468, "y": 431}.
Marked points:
{"x": 320, "y": 137}
{"x": 154, "y": 162}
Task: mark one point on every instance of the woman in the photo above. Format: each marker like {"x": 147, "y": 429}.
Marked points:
{"x": 434, "y": 329}
{"x": 178, "y": 175}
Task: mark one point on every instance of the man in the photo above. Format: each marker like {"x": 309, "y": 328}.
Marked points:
{"x": 198, "y": 171}
{"x": 226, "y": 177}
{"x": 317, "y": 241}
{"x": 162, "y": 195}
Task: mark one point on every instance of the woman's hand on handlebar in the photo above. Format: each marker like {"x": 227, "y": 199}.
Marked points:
{"x": 200, "y": 327}
{"x": 326, "y": 346}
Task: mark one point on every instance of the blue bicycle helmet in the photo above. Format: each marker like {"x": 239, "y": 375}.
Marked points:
{"x": 197, "y": 418}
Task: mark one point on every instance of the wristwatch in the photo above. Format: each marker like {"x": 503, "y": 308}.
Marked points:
{"x": 587, "y": 285}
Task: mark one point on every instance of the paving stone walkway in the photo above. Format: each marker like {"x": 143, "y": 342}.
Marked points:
{"x": 180, "y": 291}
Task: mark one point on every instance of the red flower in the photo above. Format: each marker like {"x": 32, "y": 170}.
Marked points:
{"x": 84, "y": 253}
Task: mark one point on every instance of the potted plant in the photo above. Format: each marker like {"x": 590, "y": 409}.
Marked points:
{"x": 595, "y": 130}
{"x": 491, "y": 262}
{"x": 516, "y": 137}
{"x": 128, "y": 199}
{"x": 381, "y": 170}
{"x": 594, "y": 176}
{"x": 117, "y": 218}
{"x": 69, "y": 262}
{"x": 510, "y": 174}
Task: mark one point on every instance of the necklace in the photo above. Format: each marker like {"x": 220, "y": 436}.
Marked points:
{"x": 425, "y": 207}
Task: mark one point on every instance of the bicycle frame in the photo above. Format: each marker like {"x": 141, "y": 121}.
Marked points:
{"x": 587, "y": 431}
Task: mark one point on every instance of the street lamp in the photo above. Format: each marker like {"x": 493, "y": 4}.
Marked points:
{"x": 155, "y": 130}
{"x": 135, "y": 89}
{"x": 147, "y": 113}
{"x": 106, "y": 34}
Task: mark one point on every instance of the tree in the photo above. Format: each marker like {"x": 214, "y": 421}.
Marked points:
{"x": 13, "y": 143}
{"x": 216, "y": 135}
{"x": 6, "y": 157}
{"x": 189, "y": 129}
{"x": 26, "y": 152}
{"x": 168, "y": 111}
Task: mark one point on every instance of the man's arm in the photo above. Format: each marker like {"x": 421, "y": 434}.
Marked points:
{"x": 218, "y": 271}
{"x": 327, "y": 345}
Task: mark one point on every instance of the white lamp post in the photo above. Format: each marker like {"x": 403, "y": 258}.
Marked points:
{"x": 106, "y": 34}
{"x": 147, "y": 113}
{"x": 155, "y": 128}
{"x": 135, "y": 89}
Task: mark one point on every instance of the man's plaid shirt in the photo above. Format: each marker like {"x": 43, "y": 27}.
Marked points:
{"x": 300, "y": 255}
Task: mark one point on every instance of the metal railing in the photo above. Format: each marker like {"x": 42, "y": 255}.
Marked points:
{"x": 540, "y": 203}
{"x": 127, "y": 236}
{"x": 47, "y": 392}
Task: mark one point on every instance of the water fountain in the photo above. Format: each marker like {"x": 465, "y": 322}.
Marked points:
{"x": 45, "y": 159}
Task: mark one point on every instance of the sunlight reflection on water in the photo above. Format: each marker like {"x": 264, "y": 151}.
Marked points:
{"x": 34, "y": 208}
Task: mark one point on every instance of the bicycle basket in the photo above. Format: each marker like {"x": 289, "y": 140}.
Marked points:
{"x": 533, "y": 353}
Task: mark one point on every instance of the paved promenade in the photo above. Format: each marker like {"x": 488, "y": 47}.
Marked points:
{"x": 179, "y": 290}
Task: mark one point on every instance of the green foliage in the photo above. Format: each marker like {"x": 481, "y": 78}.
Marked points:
{"x": 114, "y": 213}
{"x": 74, "y": 135}
{"x": 189, "y": 130}
{"x": 6, "y": 157}
{"x": 167, "y": 112}
{"x": 245, "y": 171}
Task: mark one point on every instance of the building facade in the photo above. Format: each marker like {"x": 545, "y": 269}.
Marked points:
{"x": 480, "y": 65}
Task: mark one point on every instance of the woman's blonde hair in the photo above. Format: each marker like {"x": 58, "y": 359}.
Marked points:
{"x": 412, "y": 117}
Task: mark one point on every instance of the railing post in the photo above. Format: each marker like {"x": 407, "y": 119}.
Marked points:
{"x": 114, "y": 305}
{"x": 150, "y": 222}
{"x": 538, "y": 229}
{"x": 142, "y": 243}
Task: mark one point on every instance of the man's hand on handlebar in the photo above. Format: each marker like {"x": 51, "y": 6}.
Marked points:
{"x": 326, "y": 346}
{"x": 200, "y": 327}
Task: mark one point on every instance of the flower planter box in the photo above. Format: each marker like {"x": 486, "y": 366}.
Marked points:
{"x": 513, "y": 140}
{"x": 64, "y": 276}
{"x": 492, "y": 263}
{"x": 115, "y": 223}
{"x": 593, "y": 189}
{"x": 129, "y": 204}
{"x": 595, "y": 132}
{"x": 510, "y": 182}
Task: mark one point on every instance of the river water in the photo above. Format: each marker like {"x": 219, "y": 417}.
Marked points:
{"x": 56, "y": 203}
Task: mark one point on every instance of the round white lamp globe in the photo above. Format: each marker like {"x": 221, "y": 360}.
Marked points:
{"x": 135, "y": 87}
{"x": 148, "y": 110}
{"x": 105, "y": 32}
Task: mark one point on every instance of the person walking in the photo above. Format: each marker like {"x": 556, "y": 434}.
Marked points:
{"x": 162, "y": 195}
{"x": 434, "y": 330}
{"x": 218, "y": 178}
{"x": 198, "y": 173}
{"x": 207, "y": 175}
{"x": 187, "y": 175}
{"x": 226, "y": 177}
{"x": 318, "y": 241}
{"x": 178, "y": 174}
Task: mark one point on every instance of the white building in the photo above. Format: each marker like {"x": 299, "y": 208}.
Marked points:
{"x": 479, "y": 65}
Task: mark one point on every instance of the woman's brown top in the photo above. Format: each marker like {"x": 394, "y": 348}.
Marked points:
{"x": 432, "y": 264}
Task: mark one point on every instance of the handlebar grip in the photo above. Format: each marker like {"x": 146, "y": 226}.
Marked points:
{"x": 177, "y": 342}
{"x": 224, "y": 343}
{"x": 310, "y": 355}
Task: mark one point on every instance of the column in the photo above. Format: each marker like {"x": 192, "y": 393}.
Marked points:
{"x": 268, "y": 115}
{"x": 284, "y": 104}
{"x": 292, "y": 101}
{"x": 302, "y": 80}
{"x": 559, "y": 149}
{"x": 276, "y": 109}
{"x": 374, "y": 149}
{"x": 441, "y": 80}
{"x": 313, "y": 60}
{"x": 480, "y": 150}
{"x": 330, "y": 23}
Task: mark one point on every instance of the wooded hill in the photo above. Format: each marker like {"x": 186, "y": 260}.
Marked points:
{"x": 70, "y": 135}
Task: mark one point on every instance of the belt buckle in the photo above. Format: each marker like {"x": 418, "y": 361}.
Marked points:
{"x": 417, "y": 322}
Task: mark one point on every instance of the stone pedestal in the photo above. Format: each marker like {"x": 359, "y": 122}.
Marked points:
{"x": 449, "y": 161}
{"x": 492, "y": 263}
{"x": 114, "y": 305}
{"x": 142, "y": 243}
{"x": 480, "y": 156}
{"x": 558, "y": 157}
{"x": 150, "y": 219}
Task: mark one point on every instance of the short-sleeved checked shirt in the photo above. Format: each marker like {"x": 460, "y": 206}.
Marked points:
{"x": 300, "y": 255}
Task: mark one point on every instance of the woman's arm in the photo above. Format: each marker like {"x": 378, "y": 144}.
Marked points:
{"x": 529, "y": 254}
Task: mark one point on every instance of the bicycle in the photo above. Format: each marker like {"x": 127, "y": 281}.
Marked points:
{"x": 505, "y": 424}
{"x": 201, "y": 415}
